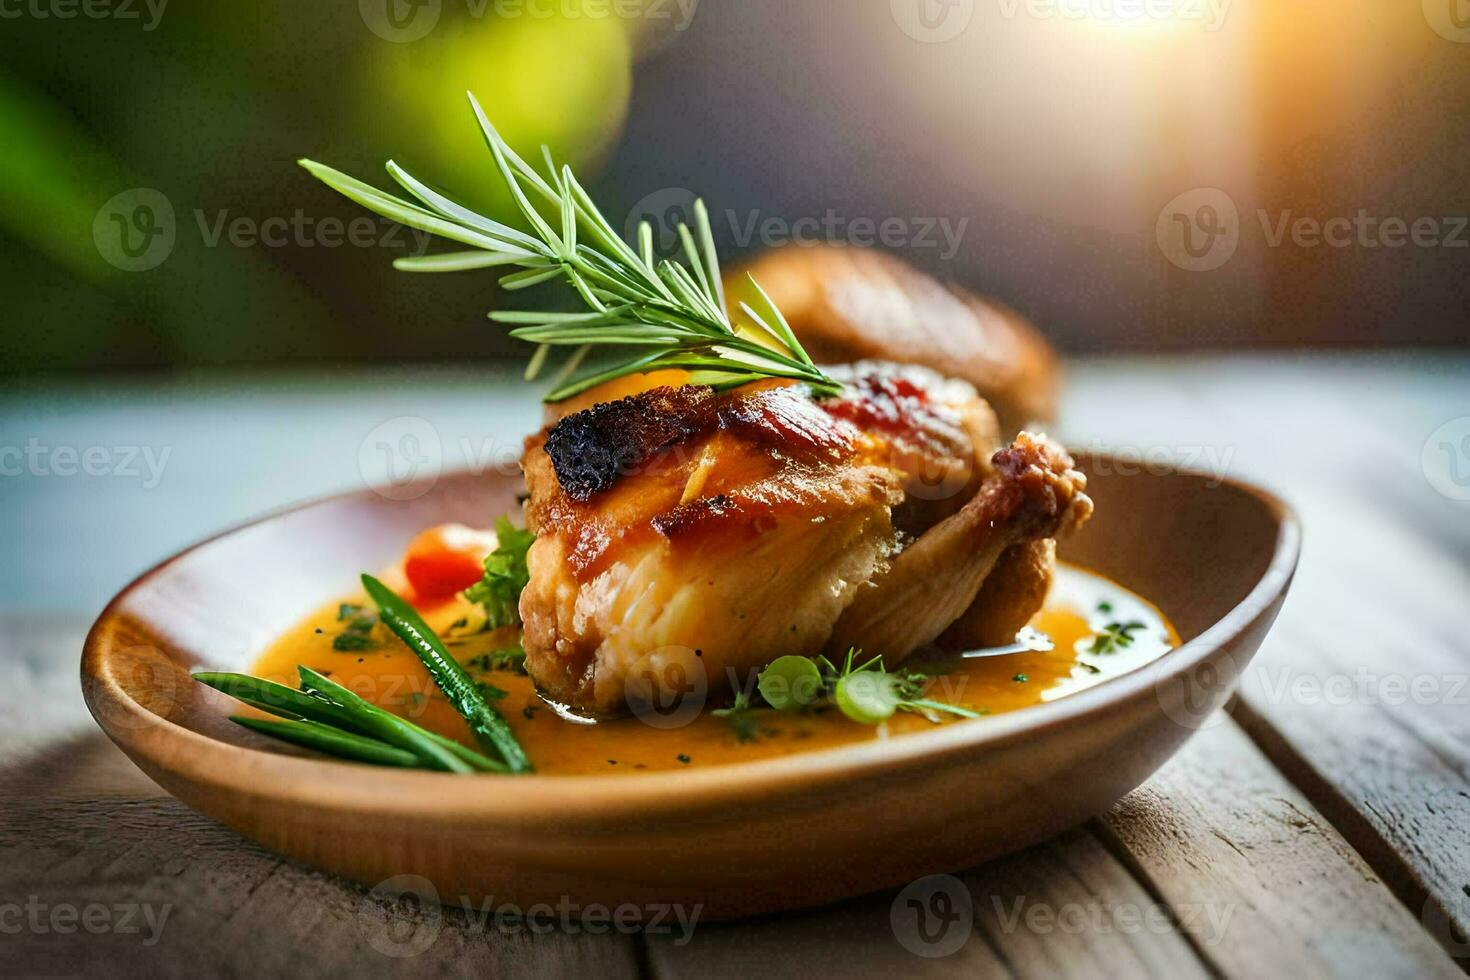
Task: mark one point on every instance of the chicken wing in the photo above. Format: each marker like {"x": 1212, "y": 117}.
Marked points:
{"x": 1034, "y": 494}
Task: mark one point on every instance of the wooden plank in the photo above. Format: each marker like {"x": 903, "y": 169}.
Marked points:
{"x": 173, "y": 893}
{"x": 1360, "y": 695}
{"x": 1396, "y": 795}
{"x": 1066, "y": 908}
{"x": 1262, "y": 883}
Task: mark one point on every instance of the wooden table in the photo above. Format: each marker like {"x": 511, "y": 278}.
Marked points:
{"x": 1322, "y": 828}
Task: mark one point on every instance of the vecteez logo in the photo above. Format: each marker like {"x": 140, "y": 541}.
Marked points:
{"x": 1199, "y": 230}
{"x": 147, "y": 12}
{"x": 401, "y": 459}
{"x": 664, "y": 211}
{"x": 667, "y": 688}
{"x": 932, "y": 21}
{"x": 1450, "y": 19}
{"x": 933, "y": 917}
{"x": 1446, "y": 459}
{"x": 135, "y": 230}
{"x": 401, "y": 917}
{"x": 400, "y": 21}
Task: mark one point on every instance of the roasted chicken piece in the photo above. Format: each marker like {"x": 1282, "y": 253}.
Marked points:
{"x": 1034, "y": 494}
{"x": 682, "y": 533}
{"x": 848, "y": 304}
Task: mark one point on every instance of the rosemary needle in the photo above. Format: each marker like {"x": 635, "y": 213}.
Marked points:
{"x": 673, "y": 312}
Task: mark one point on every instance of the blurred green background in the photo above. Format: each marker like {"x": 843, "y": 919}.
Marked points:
{"x": 1055, "y": 140}
{"x": 211, "y": 108}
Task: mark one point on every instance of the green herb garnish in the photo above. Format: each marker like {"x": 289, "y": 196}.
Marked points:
{"x": 506, "y": 575}
{"x": 353, "y": 642}
{"x": 358, "y": 635}
{"x": 333, "y": 706}
{"x": 1115, "y": 637}
{"x": 511, "y": 660}
{"x": 865, "y": 692}
{"x": 869, "y": 694}
{"x": 790, "y": 683}
{"x": 349, "y": 714}
{"x": 674, "y": 312}
{"x": 738, "y": 716}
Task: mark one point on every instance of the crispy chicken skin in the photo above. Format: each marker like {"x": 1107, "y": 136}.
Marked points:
{"x": 682, "y": 533}
{"x": 734, "y": 530}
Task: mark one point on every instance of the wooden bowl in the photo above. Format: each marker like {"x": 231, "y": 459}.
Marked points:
{"x": 796, "y": 831}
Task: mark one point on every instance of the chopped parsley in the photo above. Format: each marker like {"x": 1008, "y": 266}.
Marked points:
{"x": 1115, "y": 637}
{"x": 511, "y": 659}
{"x": 359, "y": 629}
{"x": 353, "y": 642}
{"x": 1021, "y": 679}
{"x": 740, "y": 718}
{"x": 499, "y": 592}
{"x": 489, "y": 691}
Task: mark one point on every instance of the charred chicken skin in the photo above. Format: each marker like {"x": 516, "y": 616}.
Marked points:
{"x": 684, "y": 533}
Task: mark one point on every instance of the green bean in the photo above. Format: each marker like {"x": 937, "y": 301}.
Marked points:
{"x": 332, "y": 741}
{"x": 288, "y": 702}
{"x": 490, "y": 730}
{"x": 384, "y": 725}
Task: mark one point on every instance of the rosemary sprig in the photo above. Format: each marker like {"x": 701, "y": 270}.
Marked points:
{"x": 674, "y": 312}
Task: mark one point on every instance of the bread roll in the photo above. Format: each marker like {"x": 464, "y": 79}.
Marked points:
{"x": 849, "y": 304}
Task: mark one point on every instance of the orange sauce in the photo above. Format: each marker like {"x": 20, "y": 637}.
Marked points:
{"x": 1081, "y": 607}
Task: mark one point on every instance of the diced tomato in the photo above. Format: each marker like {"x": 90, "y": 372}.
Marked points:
{"x": 446, "y": 559}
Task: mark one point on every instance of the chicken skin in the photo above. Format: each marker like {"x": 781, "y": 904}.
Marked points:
{"x": 687, "y": 534}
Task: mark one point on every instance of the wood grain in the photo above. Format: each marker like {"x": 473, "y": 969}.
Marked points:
{"x": 86, "y": 828}
{"x": 1066, "y": 908}
{"x": 1379, "y": 597}
{"x": 1262, "y": 883}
